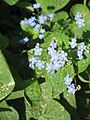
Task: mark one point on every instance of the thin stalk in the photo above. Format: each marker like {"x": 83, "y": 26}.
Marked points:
{"x": 85, "y": 1}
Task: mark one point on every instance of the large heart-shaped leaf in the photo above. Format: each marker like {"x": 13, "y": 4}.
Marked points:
{"x": 57, "y": 80}
{"x": 6, "y": 80}
{"x": 54, "y": 111}
{"x": 7, "y": 113}
{"x": 52, "y": 5}
{"x": 47, "y": 108}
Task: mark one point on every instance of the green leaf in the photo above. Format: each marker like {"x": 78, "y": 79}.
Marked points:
{"x": 30, "y": 30}
{"x": 52, "y": 5}
{"x": 61, "y": 15}
{"x": 69, "y": 102}
{"x": 6, "y": 80}
{"x": 82, "y": 65}
{"x": 57, "y": 80}
{"x": 60, "y": 38}
{"x": 70, "y": 98}
{"x": 79, "y": 8}
{"x": 11, "y": 2}
{"x": 15, "y": 95}
{"x": 33, "y": 92}
{"x": 47, "y": 108}
{"x": 3, "y": 42}
{"x": 7, "y": 113}
{"x": 20, "y": 83}
{"x": 25, "y": 5}
{"x": 53, "y": 110}
{"x": 46, "y": 91}
{"x": 83, "y": 80}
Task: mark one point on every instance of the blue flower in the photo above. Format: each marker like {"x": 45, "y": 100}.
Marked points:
{"x": 73, "y": 43}
{"x": 79, "y": 19}
{"x": 41, "y": 36}
{"x": 40, "y": 64}
{"x": 24, "y": 40}
{"x": 80, "y": 51}
{"x": 51, "y": 16}
{"x": 37, "y": 50}
{"x": 32, "y": 62}
{"x": 68, "y": 79}
{"x": 50, "y": 68}
{"x": 36, "y": 6}
{"x": 37, "y": 27}
{"x": 42, "y": 19}
{"x": 42, "y": 31}
{"x": 72, "y": 89}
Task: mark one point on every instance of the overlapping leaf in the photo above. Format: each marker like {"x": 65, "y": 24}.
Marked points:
{"x": 6, "y": 80}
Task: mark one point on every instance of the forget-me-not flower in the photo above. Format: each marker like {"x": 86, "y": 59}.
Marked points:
{"x": 37, "y": 50}
{"x": 36, "y": 6}
{"x": 73, "y": 43}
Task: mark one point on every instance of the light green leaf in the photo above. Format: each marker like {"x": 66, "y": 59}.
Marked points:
{"x": 11, "y": 2}
{"x": 33, "y": 92}
{"x": 82, "y": 65}
{"x": 15, "y": 95}
{"x": 30, "y": 30}
{"x": 52, "y": 5}
{"x": 83, "y": 80}
{"x": 7, "y": 113}
{"x": 46, "y": 91}
{"x": 61, "y": 15}
{"x": 57, "y": 80}
{"x": 83, "y": 9}
{"x": 46, "y": 108}
{"x": 59, "y": 37}
{"x": 54, "y": 110}
{"x": 3, "y": 42}
{"x": 6, "y": 80}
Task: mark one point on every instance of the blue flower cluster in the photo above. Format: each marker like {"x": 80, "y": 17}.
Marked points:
{"x": 38, "y": 22}
{"x": 34, "y": 61}
{"x": 81, "y": 47}
{"x": 71, "y": 87}
{"x": 79, "y": 19}
{"x": 57, "y": 58}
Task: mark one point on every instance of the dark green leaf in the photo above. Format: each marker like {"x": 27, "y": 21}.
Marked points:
{"x": 3, "y": 42}
{"x": 11, "y": 2}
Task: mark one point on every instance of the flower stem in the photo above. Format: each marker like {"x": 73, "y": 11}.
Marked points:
{"x": 85, "y": 1}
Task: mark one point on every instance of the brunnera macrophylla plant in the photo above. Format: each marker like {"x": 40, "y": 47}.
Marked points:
{"x": 58, "y": 58}
{"x": 61, "y": 51}
{"x": 58, "y": 48}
